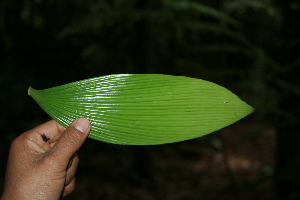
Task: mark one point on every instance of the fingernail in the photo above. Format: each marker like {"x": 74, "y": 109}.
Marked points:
{"x": 82, "y": 124}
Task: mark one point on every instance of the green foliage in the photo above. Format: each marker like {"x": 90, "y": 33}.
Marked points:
{"x": 143, "y": 109}
{"x": 202, "y": 10}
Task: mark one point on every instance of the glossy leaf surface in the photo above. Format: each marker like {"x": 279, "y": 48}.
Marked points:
{"x": 143, "y": 109}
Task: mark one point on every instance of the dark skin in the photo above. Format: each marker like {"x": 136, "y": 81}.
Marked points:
{"x": 43, "y": 166}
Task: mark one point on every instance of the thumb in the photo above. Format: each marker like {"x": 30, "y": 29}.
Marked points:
{"x": 71, "y": 140}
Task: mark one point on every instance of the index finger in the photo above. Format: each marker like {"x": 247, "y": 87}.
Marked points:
{"x": 40, "y": 138}
{"x": 49, "y": 131}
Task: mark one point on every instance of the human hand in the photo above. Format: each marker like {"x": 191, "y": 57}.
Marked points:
{"x": 42, "y": 162}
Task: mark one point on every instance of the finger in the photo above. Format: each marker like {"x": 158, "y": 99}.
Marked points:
{"x": 71, "y": 169}
{"x": 70, "y": 141}
{"x": 33, "y": 139}
{"x": 69, "y": 188}
{"x": 51, "y": 129}
{"x": 40, "y": 137}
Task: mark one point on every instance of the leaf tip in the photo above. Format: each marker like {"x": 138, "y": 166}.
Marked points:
{"x": 249, "y": 110}
{"x": 29, "y": 90}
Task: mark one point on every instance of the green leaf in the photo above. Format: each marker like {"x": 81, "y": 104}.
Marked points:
{"x": 203, "y": 9}
{"x": 143, "y": 109}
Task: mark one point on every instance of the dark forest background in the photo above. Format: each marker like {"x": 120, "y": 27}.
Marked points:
{"x": 250, "y": 47}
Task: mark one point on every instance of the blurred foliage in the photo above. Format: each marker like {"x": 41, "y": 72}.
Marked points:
{"x": 251, "y": 47}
